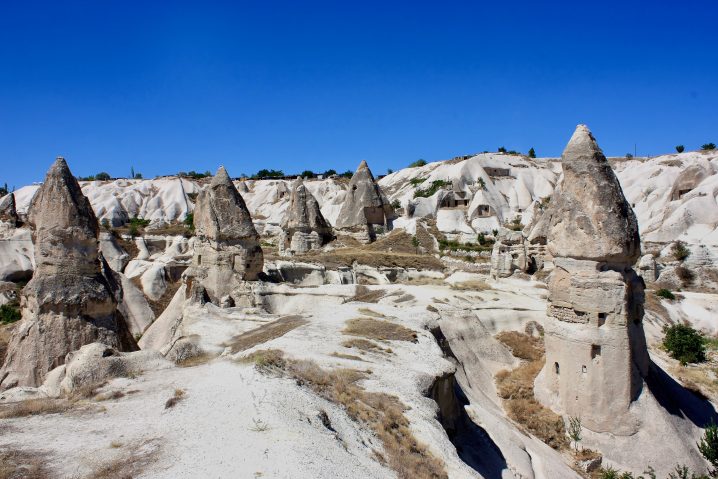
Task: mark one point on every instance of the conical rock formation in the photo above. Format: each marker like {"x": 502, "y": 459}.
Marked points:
{"x": 8, "y": 212}
{"x": 227, "y": 251}
{"x": 72, "y": 298}
{"x": 304, "y": 227}
{"x": 596, "y": 354}
{"x": 365, "y": 204}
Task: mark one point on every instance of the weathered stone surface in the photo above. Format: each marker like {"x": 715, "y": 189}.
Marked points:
{"x": 8, "y": 213}
{"x": 596, "y": 354}
{"x": 588, "y": 216}
{"x": 72, "y": 298}
{"x": 647, "y": 268}
{"x": 365, "y": 203}
{"x": 304, "y": 227}
{"x": 509, "y": 254}
{"x": 227, "y": 250}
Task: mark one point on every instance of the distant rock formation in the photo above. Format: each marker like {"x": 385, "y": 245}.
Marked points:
{"x": 227, "y": 251}
{"x": 8, "y": 211}
{"x": 365, "y": 206}
{"x": 596, "y": 354}
{"x": 304, "y": 227}
{"x": 72, "y": 298}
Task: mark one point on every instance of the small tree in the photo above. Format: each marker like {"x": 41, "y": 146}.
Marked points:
{"x": 389, "y": 171}
{"x": 708, "y": 446}
{"x": 132, "y": 171}
{"x": 502, "y": 149}
{"x": 482, "y": 183}
{"x": 684, "y": 344}
{"x": 629, "y": 156}
{"x": 481, "y": 239}
{"x": 680, "y": 148}
{"x": 708, "y": 146}
{"x": 574, "y": 431}
{"x": 102, "y": 176}
{"x": 307, "y": 174}
{"x": 415, "y": 243}
{"x": 396, "y": 204}
{"x": 417, "y": 163}
{"x": 679, "y": 250}
{"x": 532, "y": 152}
{"x": 3, "y": 190}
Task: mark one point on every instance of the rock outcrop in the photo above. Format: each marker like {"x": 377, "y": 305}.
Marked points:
{"x": 365, "y": 205}
{"x": 8, "y": 210}
{"x": 72, "y": 298}
{"x": 596, "y": 356}
{"x": 227, "y": 251}
{"x": 508, "y": 254}
{"x": 304, "y": 227}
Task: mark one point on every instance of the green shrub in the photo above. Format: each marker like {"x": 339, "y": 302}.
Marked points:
{"x": 664, "y": 293}
{"x": 139, "y": 222}
{"x": 708, "y": 146}
{"x": 417, "y": 163}
{"x": 396, "y": 204}
{"x": 9, "y": 314}
{"x": 680, "y": 148}
{"x": 4, "y": 190}
{"x": 708, "y": 446}
{"x": 134, "y": 230}
{"x": 684, "y": 344}
{"x": 433, "y": 188}
{"x": 684, "y": 274}
{"x": 264, "y": 173}
{"x": 532, "y": 153}
{"x": 502, "y": 149}
{"x": 307, "y": 174}
{"x": 629, "y": 156}
{"x": 416, "y": 181}
{"x": 102, "y": 176}
{"x": 329, "y": 173}
{"x": 347, "y": 174}
{"x": 679, "y": 250}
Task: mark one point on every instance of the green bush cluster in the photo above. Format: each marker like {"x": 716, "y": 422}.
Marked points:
{"x": 9, "y": 314}
{"x": 445, "y": 244}
{"x": 417, "y": 163}
{"x": 431, "y": 189}
{"x": 684, "y": 344}
{"x": 664, "y": 293}
{"x": 194, "y": 175}
{"x": 679, "y": 250}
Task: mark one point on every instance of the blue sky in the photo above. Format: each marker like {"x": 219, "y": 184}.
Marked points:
{"x": 170, "y": 86}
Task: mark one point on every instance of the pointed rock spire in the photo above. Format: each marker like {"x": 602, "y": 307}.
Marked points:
{"x": 364, "y": 202}
{"x": 303, "y": 213}
{"x": 589, "y": 218}
{"x": 221, "y": 213}
{"x": 65, "y": 226}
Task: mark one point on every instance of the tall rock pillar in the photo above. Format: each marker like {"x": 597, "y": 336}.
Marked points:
{"x": 596, "y": 354}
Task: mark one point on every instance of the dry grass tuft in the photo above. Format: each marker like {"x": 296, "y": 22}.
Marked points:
{"x": 22, "y": 464}
{"x": 350, "y": 357}
{"x": 369, "y": 312}
{"x": 378, "y": 329}
{"x": 522, "y": 345}
{"x": 366, "y": 295}
{"x": 266, "y": 360}
{"x": 178, "y": 396}
{"x": 382, "y": 413}
{"x": 474, "y": 285}
{"x": 265, "y": 333}
{"x": 130, "y": 462}
{"x": 365, "y": 345}
{"x": 516, "y": 388}
{"x": 34, "y": 407}
{"x": 193, "y": 361}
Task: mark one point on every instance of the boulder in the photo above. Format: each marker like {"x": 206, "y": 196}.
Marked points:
{"x": 8, "y": 211}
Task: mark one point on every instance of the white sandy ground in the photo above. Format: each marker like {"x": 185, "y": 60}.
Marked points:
{"x": 237, "y": 422}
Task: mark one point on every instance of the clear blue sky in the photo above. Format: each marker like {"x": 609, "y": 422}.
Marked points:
{"x": 170, "y": 86}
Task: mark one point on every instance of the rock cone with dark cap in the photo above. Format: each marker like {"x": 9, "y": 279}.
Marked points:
{"x": 72, "y": 298}
{"x": 596, "y": 354}
{"x": 228, "y": 250}
{"x": 304, "y": 227}
{"x": 365, "y": 204}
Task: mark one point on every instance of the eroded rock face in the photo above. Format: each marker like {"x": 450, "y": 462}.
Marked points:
{"x": 365, "y": 204}
{"x": 596, "y": 354}
{"x": 8, "y": 212}
{"x": 509, "y": 254}
{"x": 227, "y": 251}
{"x": 72, "y": 298}
{"x": 588, "y": 216}
{"x": 304, "y": 227}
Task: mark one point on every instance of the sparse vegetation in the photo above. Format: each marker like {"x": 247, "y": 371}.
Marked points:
{"x": 684, "y": 344}
{"x": 482, "y": 183}
{"x": 685, "y": 275}
{"x": 502, "y": 149}
{"x": 664, "y": 293}
{"x": 22, "y": 464}
{"x": 516, "y": 388}
{"x": 431, "y": 189}
{"x": 382, "y": 413}
{"x": 9, "y": 314}
{"x": 417, "y": 163}
{"x": 365, "y": 345}
{"x": 179, "y": 394}
{"x": 265, "y": 173}
{"x": 475, "y": 285}
{"x": 378, "y": 329}
{"x": 679, "y": 251}
{"x": 574, "y": 431}
{"x": 416, "y": 181}
{"x": 396, "y": 204}
{"x": 708, "y": 146}
{"x": 3, "y": 190}
{"x": 629, "y": 156}
{"x": 194, "y": 175}
{"x": 680, "y": 148}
